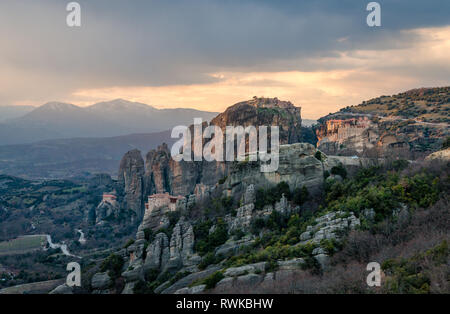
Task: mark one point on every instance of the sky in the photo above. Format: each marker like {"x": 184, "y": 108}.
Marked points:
{"x": 210, "y": 54}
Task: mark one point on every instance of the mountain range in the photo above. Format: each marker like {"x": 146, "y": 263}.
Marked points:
{"x": 57, "y": 120}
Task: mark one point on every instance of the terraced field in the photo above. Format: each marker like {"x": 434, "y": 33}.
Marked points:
{"x": 22, "y": 245}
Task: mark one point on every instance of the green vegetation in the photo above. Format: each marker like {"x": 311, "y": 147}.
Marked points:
{"x": 113, "y": 265}
{"x": 129, "y": 242}
{"x": 409, "y": 275}
{"x": 222, "y": 181}
{"x": 212, "y": 280}
{"x": 383, "y": 191}
{"x": 425, "y": 104}
{"x": 340, "y": 171}
{"x": 300, "y": 195}
{"x": 271, "y": 195}
{"x": 209, "y": 259}
{"x": 206, "y": 242}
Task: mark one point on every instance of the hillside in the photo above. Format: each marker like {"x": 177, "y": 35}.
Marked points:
{"x": 407, "y": 125}
{"x": 422, "y": 104}
{"x": 280, "y": 239}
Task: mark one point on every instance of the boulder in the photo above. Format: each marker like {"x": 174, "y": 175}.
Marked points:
{"x": 192, "y": 290}
{"x": 188, "y": 280}
{"x": 157, "y": 252}
{"x": 62, "y": 289}
{"x": 249, "y": 280}
{"x": 101, "y": 281}
{"x": 322, "y": 259}
{"x": 246, "y": 269}
{"x": 294, "y": 263}
{"x": 128, "y": 289}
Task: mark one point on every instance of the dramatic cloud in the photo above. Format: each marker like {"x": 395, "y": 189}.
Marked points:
{"x": 209, "y": 54}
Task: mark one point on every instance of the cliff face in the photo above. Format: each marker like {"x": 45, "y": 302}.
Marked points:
{"x": 264, "y": 111}
{"x": 407, "y": 125}
{"x": 298, "y": 167}
{"x": 369, "y": 136}
{"x": 131, "y": 181}
{"x": 162, "y": 174}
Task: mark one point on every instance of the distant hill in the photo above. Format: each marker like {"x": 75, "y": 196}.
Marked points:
{"x": 65, "y": 158}
{"x": 424, "y": 104}
{"x": 114, "y": 118}
{"x": 12, "y": 112}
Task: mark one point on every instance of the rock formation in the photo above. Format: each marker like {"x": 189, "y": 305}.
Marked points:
{"x": 181, "y": 245}
{"x": 106, "y": 209}
{"x": 158, "y": 252}
{"x": 409, "y": 125}
{"x": 163, "y": 174}
{"x": 131, "y": 180}
{"x": 264, "y": 111}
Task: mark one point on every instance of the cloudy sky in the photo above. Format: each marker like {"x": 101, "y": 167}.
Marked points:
{"x": 209, "y": 54}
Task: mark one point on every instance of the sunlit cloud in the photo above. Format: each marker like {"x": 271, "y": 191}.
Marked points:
{"x": 356, "y": 76}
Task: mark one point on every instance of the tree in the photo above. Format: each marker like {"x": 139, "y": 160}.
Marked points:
{"x": 339, "y": 170}
{"x": 300, "y": 195}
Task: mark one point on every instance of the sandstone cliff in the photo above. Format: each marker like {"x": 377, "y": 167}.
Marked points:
{"x": 409, "y": 125}
{"x": 264, "y": 111}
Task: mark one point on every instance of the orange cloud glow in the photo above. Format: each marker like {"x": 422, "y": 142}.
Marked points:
{"x": 356, "y": 76}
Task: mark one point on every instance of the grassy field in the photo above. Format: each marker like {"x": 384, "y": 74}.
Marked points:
{"x": 22, "y": 245}
{"x": 35, "y": 287}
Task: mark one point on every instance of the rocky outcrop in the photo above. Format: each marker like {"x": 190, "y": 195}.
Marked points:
{"x": 375, "y": 137}
{"x": 131, "y": 180}
{"x": 246, "y": 269}
{"x": 191, "y": 290}
{"x": 443, "y": 155}
{"x": 62, "y": 289}
{"x": 242, "y": 219}
{"x": 158, "y": 252}
{"x": 328, "y": 227}
{"x": 101, "y": 281}
{"x": 185, "y": 282}
{"x": 182, "y": 246}
{"x": 267, "y": 112}
{"x": 157, "y": 170}
{"x": 234, "y": 247}
{"x": 163, "y": 174}
{"x": 298, "y": 167}
{"x": 107, "y": 209}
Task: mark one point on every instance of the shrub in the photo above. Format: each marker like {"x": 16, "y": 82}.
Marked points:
{"x": 339, "y": 170}
{"x": 148, "y": 233}
{"x": 142, "y": 287}
{"x": 257, "y": 225}
{"x": 129, "y": 242}
{"x": 113, "y": 264}
{"x": 206, "y": 242}
{"x": 209, "y": 259}
{"x": 272, "y": 195}
{"x": 300, "y": 195}
{"x": 212, "y": 280}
